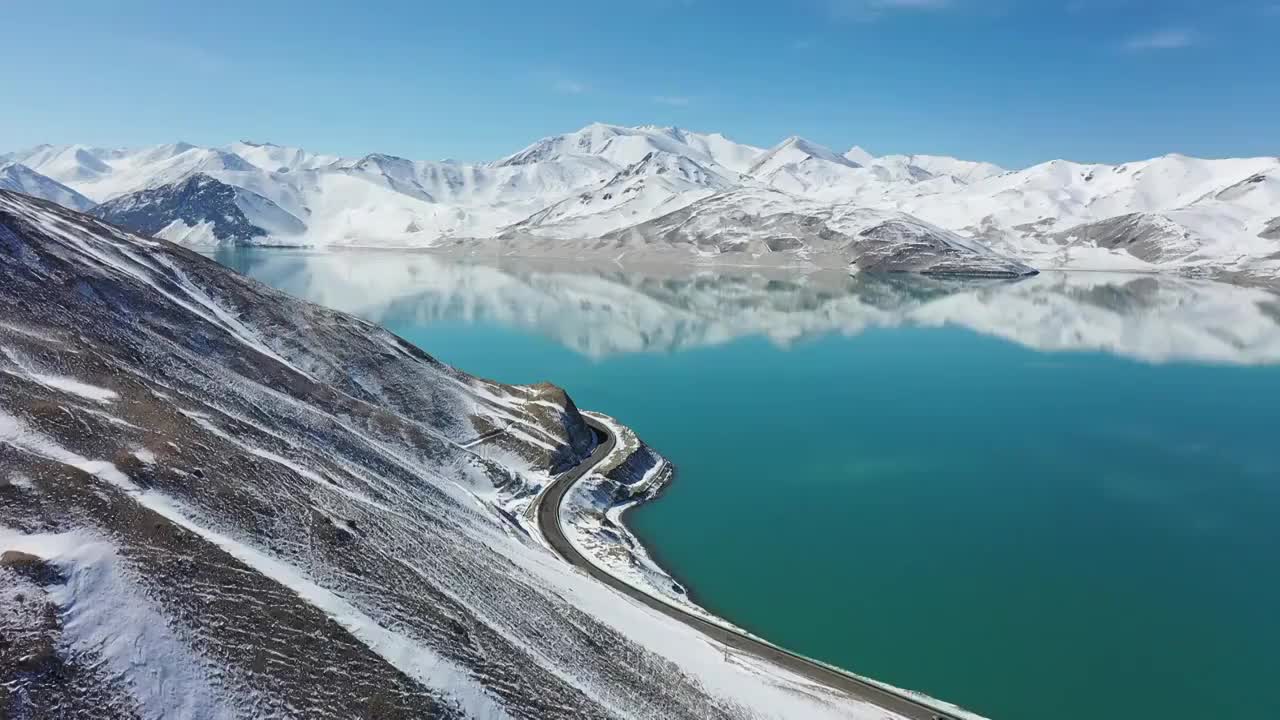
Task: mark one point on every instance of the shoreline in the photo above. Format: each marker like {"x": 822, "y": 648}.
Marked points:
{"x": 550, "y": 524}
{"x": 689, "y": 593}
{"x": 600, "y": 532}
{"x": 676, "y": 263}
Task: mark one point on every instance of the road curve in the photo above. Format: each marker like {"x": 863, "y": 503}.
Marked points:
{"x": 547, "y": 511}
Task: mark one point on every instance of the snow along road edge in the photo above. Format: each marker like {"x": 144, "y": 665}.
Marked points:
{"x": 546, "y": 510}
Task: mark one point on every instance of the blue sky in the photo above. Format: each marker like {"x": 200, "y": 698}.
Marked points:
{"x": 1014, "y": 82}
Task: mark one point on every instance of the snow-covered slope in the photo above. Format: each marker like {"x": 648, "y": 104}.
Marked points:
{"x": 276, "y": 158}
{"x": 105, "y": 174}
{"x": 924, "y": 167}
{"x": 805, "y": 168}
{"x": 20, "y": 178}
{"x": 721, "y": 150}
{"x": 1059, "y": 194}
{"x": 763, "y": 226}
{"x": 70, "y": 164}
{"x": 1217, "y": 217}
{"x": 659, "y": 183}
{"x": 218, "y": 501}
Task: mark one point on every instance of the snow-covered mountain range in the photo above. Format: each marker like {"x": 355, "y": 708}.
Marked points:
{"x": 564, "y": 194}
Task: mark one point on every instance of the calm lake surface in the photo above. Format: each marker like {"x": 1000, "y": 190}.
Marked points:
{"x": 1050, "y": 500}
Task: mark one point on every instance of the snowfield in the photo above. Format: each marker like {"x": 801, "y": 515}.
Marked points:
{"x": 219, "y": 501}
{"x": 561, "y": 195}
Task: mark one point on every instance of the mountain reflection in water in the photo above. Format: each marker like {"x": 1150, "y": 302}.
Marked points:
{"x": 602, "y": 310}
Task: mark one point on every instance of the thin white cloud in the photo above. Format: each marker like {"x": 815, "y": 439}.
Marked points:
{"x": 675, "y": 100}
{"x": 566, "y": 86}
{"x": 1168, "y": 39}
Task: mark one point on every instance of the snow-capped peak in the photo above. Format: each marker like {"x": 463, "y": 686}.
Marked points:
{"x": 66, "y": 163}
{"x": 860, "y": 156}
{"x": 278, "y": 158}
{"x": 20, "y": 178}
{"x": 793, "y": 151}
{"x": 160, "y": 153}
{"x": 624, "y": 146}
{"x": 590, "y": 140}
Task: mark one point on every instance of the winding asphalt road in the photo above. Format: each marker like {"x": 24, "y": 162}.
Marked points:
{"x": 547, "y": 511}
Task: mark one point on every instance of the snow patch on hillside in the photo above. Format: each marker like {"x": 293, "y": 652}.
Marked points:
{"x": 106, "y": 619}
{"x": 413, "y": 658}
{"x": 18, "y": 366}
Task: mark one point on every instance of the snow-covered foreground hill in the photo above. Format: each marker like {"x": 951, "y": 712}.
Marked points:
{"x": 218, "y": 501}
{"x": 583, "y": 193}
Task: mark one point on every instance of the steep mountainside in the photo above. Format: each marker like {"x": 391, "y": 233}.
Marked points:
{"x": 17, "y": 177}
{"x": 217, "y": 501}
{"x": 584, "y": 184}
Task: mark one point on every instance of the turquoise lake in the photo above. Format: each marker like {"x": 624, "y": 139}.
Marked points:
{"x": 1048, "y": 500}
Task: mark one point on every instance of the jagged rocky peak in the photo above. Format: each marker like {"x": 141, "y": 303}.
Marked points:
{"x": 199, "y": 204}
